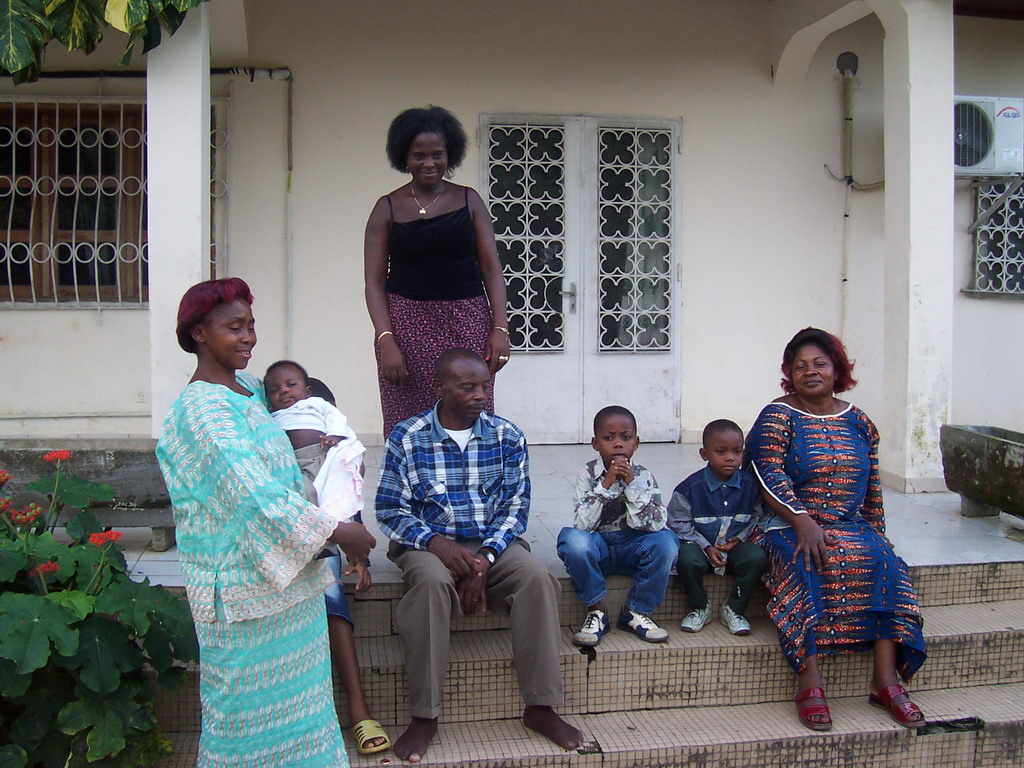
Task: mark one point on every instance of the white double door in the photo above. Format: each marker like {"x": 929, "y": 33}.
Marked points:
{"x": 586, "y": 214}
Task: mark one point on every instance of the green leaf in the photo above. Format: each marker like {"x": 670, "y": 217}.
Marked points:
{"x": 42, "y": 547}
{"x": 185, "y": 5}
{"x": 12, "y": 560}
{"x": 76, "y": 23}
{"x": 12, "y": 756}
{"x": 54, "y": 750}
{"x": 159, "y": 647}
{"x": 28, "y": 623}
{"x": 105, "y": 719}
{"x": 106, "y": 728}
{"x": 11, "y": 683}
{"x": 80, "y": 561}
{"x": 35, "y": 727}
{"x": 130, "y": 602}
{"x": 105, "y": 650}
{"x": 76, "y": 601}
{"x": 172, "y": 679}
{"x": 76, "y": 492}
{"x": 82, "y": 525}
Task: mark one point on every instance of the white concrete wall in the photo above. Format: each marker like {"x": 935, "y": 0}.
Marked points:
{"x": 761, "y": 224}
{"x": 761, "y": 232}
{"x": 988, "y": 364}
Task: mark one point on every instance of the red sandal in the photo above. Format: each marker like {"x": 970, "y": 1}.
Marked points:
{"x": 901, "y": 713}
{"x": 807, "y": 711}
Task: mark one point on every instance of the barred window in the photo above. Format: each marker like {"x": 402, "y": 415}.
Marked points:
{"x": 999, "y": 241}
{"x": 73, "y": 202}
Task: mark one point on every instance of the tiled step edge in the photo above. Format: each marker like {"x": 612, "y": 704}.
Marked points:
{"x": 968, "y": 646}
{"x": 935, "y": 585}
{"x": 748, "y": 736}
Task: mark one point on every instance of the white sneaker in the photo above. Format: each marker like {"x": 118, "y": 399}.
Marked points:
{"x": 595, "y": 625}
{"x": 736, "y": 623}
{"x": 695, "y": 620}
{"x": 642, "y": 626}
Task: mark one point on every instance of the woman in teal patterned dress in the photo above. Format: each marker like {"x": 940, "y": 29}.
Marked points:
{"x": 836, "y": 585}
{"x": 247, "y": 543}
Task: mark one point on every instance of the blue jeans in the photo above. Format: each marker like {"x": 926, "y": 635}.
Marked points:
{"x": 647, "y": 557}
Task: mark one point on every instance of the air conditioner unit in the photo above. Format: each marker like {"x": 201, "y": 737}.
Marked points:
{"x": 988, "y": 136}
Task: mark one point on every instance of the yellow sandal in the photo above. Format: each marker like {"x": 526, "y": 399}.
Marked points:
{"x": 366, "y": 731}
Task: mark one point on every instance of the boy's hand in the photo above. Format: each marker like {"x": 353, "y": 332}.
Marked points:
{"x": 618, "y": 469}
{"x": 728, "y": 545}
{"x": 355, "y": 541}
{"x": 328, "y": 441}
{"x": 715, "y": 555}
{"x": 363, "y": 579}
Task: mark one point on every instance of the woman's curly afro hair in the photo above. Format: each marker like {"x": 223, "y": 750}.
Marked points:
{"x": 412, "y": 122}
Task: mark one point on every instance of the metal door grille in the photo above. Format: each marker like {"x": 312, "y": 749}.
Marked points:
{"x": 635, "y": 239}
{"x": 526, "y": 189}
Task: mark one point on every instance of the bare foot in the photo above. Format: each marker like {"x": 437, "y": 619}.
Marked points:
{"x": 546, "y": 721}
{"x": 412, "y": 745}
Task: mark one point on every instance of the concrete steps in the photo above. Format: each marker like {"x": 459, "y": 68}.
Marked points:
{"x": 708, "y": 699}
{"x": 978, "y": 726}
{"x": 969, "y": 645}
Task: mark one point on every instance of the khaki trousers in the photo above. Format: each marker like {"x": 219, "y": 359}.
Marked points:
{"x": 518, "y": 586}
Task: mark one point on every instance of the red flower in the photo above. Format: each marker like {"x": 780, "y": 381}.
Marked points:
{"x": 4, "y": 477}
{"x": 44, "y": 569}
{"x": 5, "y": 504}
{"x": 25, "y": 516}
{"x": 58, "y": 455}
{"x": 99, "y": 539}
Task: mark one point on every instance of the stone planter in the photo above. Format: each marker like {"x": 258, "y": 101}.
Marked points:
{"x": 985, "y": 465}
{"x": 128, "y": 465}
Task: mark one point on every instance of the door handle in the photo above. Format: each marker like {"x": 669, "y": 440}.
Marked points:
{"x": 571, "y": 293}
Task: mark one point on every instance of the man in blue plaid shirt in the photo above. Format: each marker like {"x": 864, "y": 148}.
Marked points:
{"x": 454, "y": 496}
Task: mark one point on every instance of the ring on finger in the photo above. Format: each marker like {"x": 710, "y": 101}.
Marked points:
{"x": 503, "y": 358}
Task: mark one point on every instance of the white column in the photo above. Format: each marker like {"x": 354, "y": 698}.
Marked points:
{"x": 178, "y": 118}
{"x": 919, "y": 282}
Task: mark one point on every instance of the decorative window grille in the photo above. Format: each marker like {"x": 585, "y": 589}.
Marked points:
{"x": 634, "y": 238}
{"x": 73, "y": 201}
{"x": 526, "y": 180}
{"x": 999, "y": 243}
{"x": 626, "y": 182}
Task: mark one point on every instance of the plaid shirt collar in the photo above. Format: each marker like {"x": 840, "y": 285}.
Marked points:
{"x": 482, "y": 427}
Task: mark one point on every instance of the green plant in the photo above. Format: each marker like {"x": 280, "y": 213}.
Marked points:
{"x": 79, "y": 639}
{"x": 27, "y": 27}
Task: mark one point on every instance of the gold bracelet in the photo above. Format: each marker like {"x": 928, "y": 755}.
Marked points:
{"x": 383, "y": 334}
{"x": 499, "y": 328}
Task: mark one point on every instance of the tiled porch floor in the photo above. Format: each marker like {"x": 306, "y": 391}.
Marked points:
{"x": 926, "y": 528}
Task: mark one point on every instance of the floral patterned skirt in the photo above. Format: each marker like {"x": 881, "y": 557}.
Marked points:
{"x": 423, "y": 330}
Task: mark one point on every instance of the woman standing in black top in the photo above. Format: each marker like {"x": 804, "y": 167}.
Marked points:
{"x": 433, "y": 278}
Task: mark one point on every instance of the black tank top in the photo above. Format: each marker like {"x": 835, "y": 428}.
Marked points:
{"x": 434, "y": 259}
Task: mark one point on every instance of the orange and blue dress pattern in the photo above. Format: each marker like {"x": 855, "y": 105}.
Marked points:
{"x": 827, "y": 466}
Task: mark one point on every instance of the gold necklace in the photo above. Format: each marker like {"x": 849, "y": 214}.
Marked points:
{"x": 423, "y": 208}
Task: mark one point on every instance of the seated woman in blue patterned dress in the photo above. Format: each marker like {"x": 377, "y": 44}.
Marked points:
{"x": 247, "y": 543}
{"x": 836, "y": 585}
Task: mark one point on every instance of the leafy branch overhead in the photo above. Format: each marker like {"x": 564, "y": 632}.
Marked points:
{"x": 28, "y": 26}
